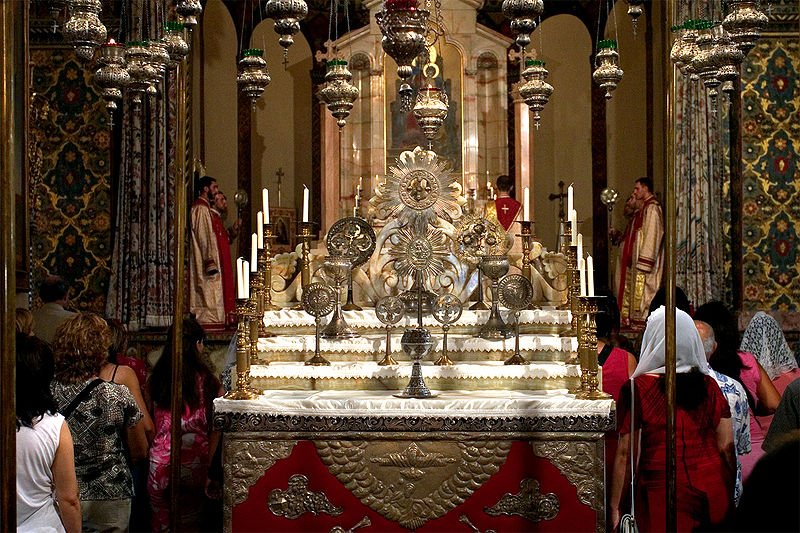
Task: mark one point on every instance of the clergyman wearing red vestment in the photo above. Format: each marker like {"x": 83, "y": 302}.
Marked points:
{"x": 505, "y": 209}
{"x": 224, "y": 239}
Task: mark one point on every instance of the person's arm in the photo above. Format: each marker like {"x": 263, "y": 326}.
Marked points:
{"x": 621, "y": 476}
{"x": 632, "y": 362}
{"x": 768, "y": 395}
{"x": 65, "y": 482}
{"x": 126, "y": 376}
{"x": 726, "y": 447}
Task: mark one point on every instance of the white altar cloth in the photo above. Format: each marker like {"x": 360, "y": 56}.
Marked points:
{"x": 450, "y": 404}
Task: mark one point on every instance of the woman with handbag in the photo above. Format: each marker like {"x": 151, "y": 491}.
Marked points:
{"x": 705, "y": 456}
{"x": 104, "y": 421}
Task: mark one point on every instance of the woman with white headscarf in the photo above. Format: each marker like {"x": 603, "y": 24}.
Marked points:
{"x": 705, "y": 459}
{"x": 764, "y": 339}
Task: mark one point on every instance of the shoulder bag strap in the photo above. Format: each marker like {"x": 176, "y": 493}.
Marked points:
{"x": 82, "y": 396}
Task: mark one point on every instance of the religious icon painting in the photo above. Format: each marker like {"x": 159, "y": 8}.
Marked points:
{"x": 284, "y": 227}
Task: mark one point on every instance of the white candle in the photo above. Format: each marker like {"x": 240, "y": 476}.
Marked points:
{"x": 246, "y": 276}
{"x": 260, "y": 229}
{"x": 265, "y": 207}
{"x": 580, "y": 245}
{"x": 306, "y": 195}
{"x": 570, "y": 200}
{"x": 526, "y": 205}
{"x": 239, "y": 278}
{"x": 254, "y": 252}
{"x": 582, "y": 270}
{"x": 573, "y": 221}
{"x": 590, "y": 275}
{"x": 359, "y": 184}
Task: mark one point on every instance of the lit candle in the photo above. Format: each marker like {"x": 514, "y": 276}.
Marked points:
{"x": 590, "y": 275}
{"x": 246, "y": 276}
{"x": 570, "y": 200}
{"x": 239, "y": 278}
{"x": 359, "y": 184}
{"x": 260, "y": 229}
{"x": 526, "y": 205}
{"x": 254, "y": 251}
{"x": 306, "y": 195}
{"x": 265, "y": 206}
{"x": 580, "y": 245}
{"x": 377, "y": 183}
{"x": 573, "y": 221}
{"x": 582, "y": 270}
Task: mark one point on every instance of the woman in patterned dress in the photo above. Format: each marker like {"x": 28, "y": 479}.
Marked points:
{"x": 198, "y": 442}
{"x": 104, "y": 423}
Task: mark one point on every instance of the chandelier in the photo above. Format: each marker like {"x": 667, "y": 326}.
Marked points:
{"x": 403, "y": 26}
{"x": 189, "y": 10}
{"x": 84, "y": 29}
{"x": 253, "y": 76}
{"x": 112, "y": 76}
{"x": 523, "y": 15}
{"x": 287, "y": 15}
{"x": 535, "y": 91}
{"x": 430, "y": 110}
{"x": 607, "y": 73}
{"x": 338, "y": 94}
{"x": 744, "y": 23}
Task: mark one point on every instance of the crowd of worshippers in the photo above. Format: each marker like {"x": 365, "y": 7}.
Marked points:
{"x": 93, "y": 426}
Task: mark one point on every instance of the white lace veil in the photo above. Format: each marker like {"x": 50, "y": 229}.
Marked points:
{"x": 688, "y": 348}
{"x": 764, "y": 339}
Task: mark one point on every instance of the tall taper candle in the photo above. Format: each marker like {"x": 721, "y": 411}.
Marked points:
{"x": 254, "y": 253}
{"x": 526, "y": 205}
{"x": 582, "y": 270}
{"x": 570, "y": 200}
{"x": 260, "y": 229}
{"x": 590, "y": 275}
{"x": 573, "y": 224}
{"x": 306, "y": 195}
{"x": 580, "y": 244}
{"x": 265, "y": 206}
{"x": 246, "y": 278}
{"x": 239, "y": 278}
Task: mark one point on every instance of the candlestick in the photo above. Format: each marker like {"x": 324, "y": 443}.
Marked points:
{"x": 306, "y": 196}
{"x": 305, "y": 235}
{"x": 526, "y": 204}
{"x": 570, "y": 199}
{"x": 265, "y": 268}
{"x": 589, "y": 276}
{"x": 243, "y": 391}
{"x": 526, "y": 236}
{"x": 260, "y": 230}
{"x": 587, "y": 308}
{"x": 265, "y": 204}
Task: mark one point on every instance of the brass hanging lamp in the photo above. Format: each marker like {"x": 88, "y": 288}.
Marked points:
{"x": 535, "y": 91}
{"x": 112, "y": 76}
{"x": 607, "y": 73}
{"x": 523, "y": 15}
{"x": 84, "y": 29}
{"x": 253, "y": 76}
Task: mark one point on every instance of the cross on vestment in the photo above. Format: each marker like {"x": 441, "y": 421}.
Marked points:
{"x": 560, "y": 196}
{"x": 504, "y": 209}
{"x": 280, "y": 175}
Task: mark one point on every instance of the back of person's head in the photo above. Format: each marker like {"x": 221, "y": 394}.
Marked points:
{"x": 646, "y": 181}
{"x": 504, "y": 183}
{"x": 202, "y": 183}
{"x": 707, "y": 336}
{"x": 24, "y": 321}
{"x": 160, "y": 383}
{"x": 53, "y": 289}
{"x": 119, "y": 339}
{"x": 764, "y": 338}
{"x": 81, "y": 346}
{"x": 34, "y": 374}
{"x": 681, "y": 300}
{"x": 607, "y": 318}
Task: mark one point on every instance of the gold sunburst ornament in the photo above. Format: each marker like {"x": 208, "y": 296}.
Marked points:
{"x": 418, "y": 190}
{"x": 419, "y": 254}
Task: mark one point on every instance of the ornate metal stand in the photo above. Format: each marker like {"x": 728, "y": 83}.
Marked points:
{"x": 318, "y": 301}
{"x": 495, "y": 328}
{"x": 265, "y": 268}
{"x": 242, "y": 390}
{"x": 417, "y": 343}
{"x": 350, "y": 305}
{"x": 354, "y": 238}
{"x": 255, "y": 319}
{"x": 305, "y": 234}
{"x": 587, "y": 349}
{"x": 479, "y": 305}
{"x": 338, "y": 268}
{"x": 573, "y": 284}
{"x": 447, "y": 310}
{"x": 389, "y": 310}
{"x": 526, "y": 237}
{"x": 515, "y": 292}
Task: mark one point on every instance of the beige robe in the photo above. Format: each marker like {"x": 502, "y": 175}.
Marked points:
{"x": 205, "y": 280}
{"x": 644, "y": 273}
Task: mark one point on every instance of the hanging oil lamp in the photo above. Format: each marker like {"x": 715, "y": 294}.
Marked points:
{"x": 137, "y": 55}
{"x": 689, "y": 49}
{"x": 607, "y": 73}
{"x": 338, "y": 93}
{"x": 253, "y": 76}
{"x": 84, "y": 29}
{"x": 159, "y": 60}
{"x": 729, "y": 57}
{"x": 176, "y": 45}
{"x": 744, "y": 23}
{"x": 535, "y": 91}
{"x": 635, "y": 10}
{"x": 430, "y": 110}
{"x": 189, "y": 10}
{"x": 403, "y": 26}
{"x": 523, "y": 15}
{"x": 112, "y": 76}
{"x": 287, "y": 15}
{"x": 704, "y": 63}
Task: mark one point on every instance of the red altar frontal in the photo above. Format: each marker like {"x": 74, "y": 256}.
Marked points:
{"x": 337, "y": 461}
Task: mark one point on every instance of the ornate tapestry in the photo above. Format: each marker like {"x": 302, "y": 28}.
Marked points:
{"x": 70, "y": 211}
{"x": 770, "y": 175}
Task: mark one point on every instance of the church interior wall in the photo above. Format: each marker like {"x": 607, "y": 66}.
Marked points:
{"x": 562, "y": 144}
